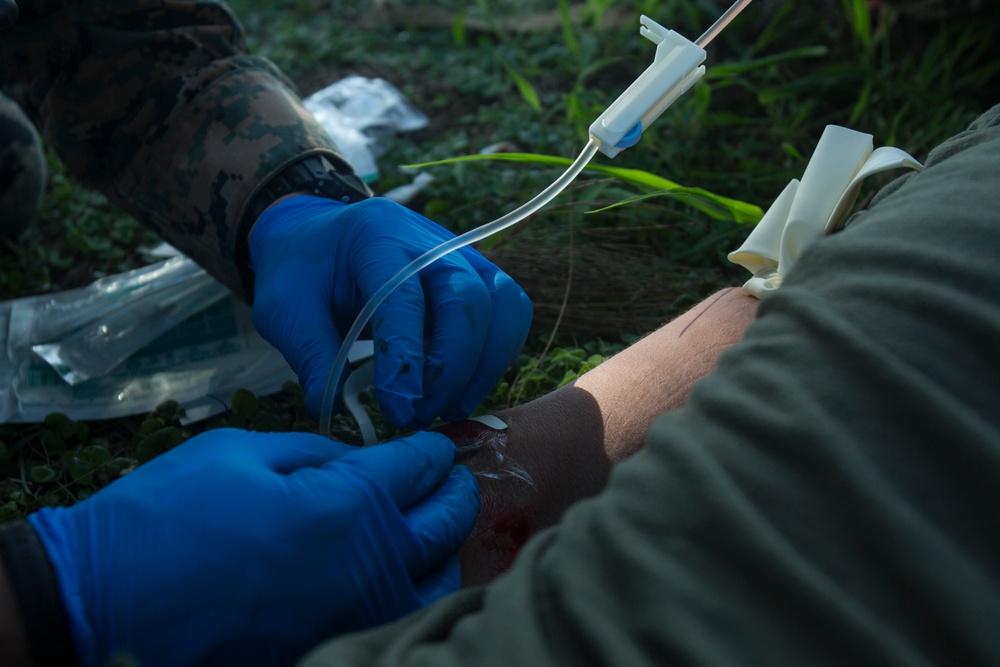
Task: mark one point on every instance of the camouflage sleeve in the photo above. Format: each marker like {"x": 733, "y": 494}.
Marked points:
{"x": 158, "y": 104}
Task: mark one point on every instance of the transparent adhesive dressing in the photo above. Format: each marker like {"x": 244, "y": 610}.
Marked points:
{"x": 676, "y": 67}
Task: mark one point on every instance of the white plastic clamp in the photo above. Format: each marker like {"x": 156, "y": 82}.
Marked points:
{"x": 676, "y": 67}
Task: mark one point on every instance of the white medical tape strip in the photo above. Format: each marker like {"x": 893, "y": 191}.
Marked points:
{"x": 492, "y": 421}
{"x": 360, "y": 380}
{"x": 807, "y": 210}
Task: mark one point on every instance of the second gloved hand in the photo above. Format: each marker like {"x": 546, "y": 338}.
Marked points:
{"x": 442, "y": 340}
{"x": 241, "y": 548}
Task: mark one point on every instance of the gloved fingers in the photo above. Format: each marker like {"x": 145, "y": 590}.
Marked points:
{"x": 508, "y": 330}
{"x": 285, "y": 453}
{"x": 406, "y": 468}
{"x": 303, "y": 289}
{"x": 460, "y": 308}
{"x": 236, "y": 449}
{"x": 398, "y": 333}
{"x": 440, "y": 522}
{"x": 305, "y": 333}
{"x": 444, "y": 581}
{"x": 316, "y": 350}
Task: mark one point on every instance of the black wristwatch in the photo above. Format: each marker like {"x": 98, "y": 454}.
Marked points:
{"x": 36, "y": 593}
{"x": 316, "y": 175}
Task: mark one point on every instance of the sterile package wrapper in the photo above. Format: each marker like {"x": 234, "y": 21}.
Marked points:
{"x": 199, "y": 363}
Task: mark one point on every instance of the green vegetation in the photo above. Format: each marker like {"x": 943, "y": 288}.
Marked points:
{"x": 533, "y": 76}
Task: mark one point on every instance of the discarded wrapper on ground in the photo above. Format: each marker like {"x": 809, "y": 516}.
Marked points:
{"x": 175, "y": 333}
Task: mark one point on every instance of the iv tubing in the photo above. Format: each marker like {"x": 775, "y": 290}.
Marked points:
{"x": 474, "y": 235}
{"x": 432, "y": 255}
{"x": 721, "y": 23}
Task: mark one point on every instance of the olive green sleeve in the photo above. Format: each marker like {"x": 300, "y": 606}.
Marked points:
{"x": 157, "y": 104}
{"x": 830, "y": 496}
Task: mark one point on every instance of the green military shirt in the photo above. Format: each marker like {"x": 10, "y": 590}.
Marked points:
{"x": 830, "y": 496}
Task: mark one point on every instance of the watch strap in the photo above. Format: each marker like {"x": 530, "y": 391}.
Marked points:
{"x": 36, "y": 590}
{"x": 314, "y": 174}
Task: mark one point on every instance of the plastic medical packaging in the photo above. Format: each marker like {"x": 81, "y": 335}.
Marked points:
{"x": 359, "y": 114}
{"x": 89, "y": 332}
{"x": 199, "y": 364}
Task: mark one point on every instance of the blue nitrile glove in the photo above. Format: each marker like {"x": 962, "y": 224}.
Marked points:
{"x": 242, "y": 548}
{"x": 318, "y": 261}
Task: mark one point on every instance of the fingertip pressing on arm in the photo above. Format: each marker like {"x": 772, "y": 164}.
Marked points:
{"x": 451, "y": 509}
{"x": 408, "y": 468}
{"x": 441, "y": 522}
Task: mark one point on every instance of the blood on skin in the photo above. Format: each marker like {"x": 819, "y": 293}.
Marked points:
{"x": 505, "y": 523}
{"x": 503, "y": 530}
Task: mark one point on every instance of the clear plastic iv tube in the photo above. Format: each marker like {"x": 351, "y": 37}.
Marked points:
{"x": 432, "y": 255}
{"x": 472, "y": 236}
{"x": 721, "y": 23}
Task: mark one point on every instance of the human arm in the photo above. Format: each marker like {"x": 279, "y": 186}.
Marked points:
{"x": 568, "y": 441}
{"x": 160, "y": 106}
{"x": 827, "y": 496}
{"x": 248, "y": 548}
{"x": 631, "y": 389}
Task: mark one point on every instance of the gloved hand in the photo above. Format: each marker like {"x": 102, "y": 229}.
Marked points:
{"x": 242, "y": 548}
{"x": 318, "y": 261}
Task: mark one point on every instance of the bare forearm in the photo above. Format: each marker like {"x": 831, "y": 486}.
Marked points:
{"x": 570, "y": 438}
{"x": 568, "y": 441}
{"x": 656, "y": 374}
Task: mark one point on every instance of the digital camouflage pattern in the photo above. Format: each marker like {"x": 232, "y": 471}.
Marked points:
{"x": 159, "y": 105}
{"x": 22, "y": 169}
